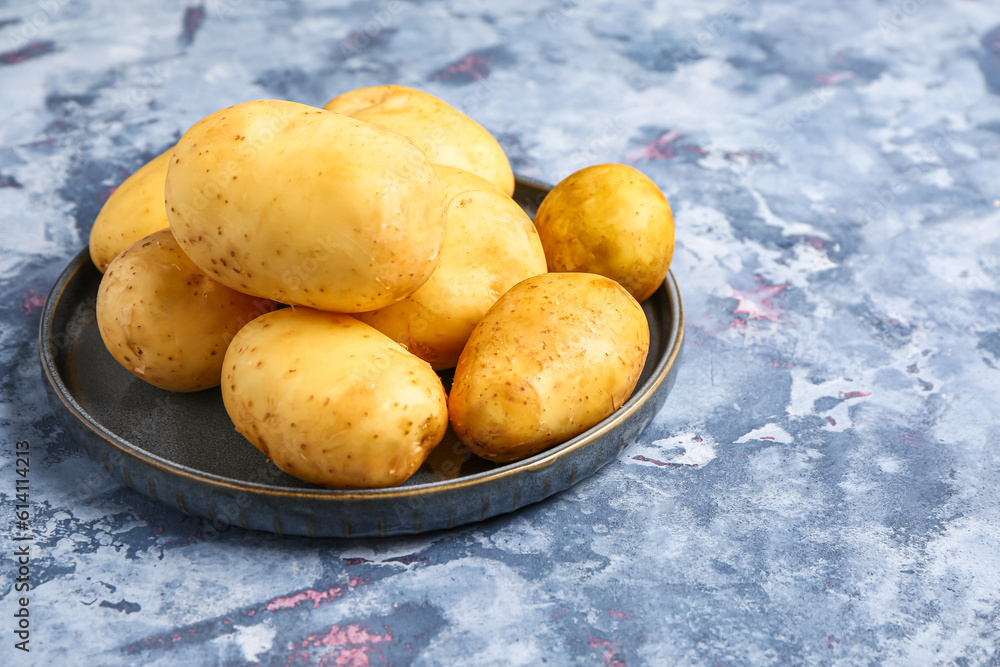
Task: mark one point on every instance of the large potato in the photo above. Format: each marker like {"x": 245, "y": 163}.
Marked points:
{"x": 305, "y": 206}
{"x": 554, "y": 356}
{"x": 612, "y": 220}
{"x": 455, "y": 181}
{"x": 331, "y": 400}
{"x": 134, "y": 210}
{"x": 166, "y": 321}
{"x": 489, "y": 247}
{"x": 445, "y": 134}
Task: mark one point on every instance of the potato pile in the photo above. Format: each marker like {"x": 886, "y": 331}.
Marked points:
{"x": 323, "y": 264}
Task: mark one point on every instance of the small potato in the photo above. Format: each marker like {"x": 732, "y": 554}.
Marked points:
{"x": 164, "y": 320}
{"x": 490, "y": 245}
{"x": 331, "y": 400}
{"x": 134, "y": 210}
{"x": 612, "y": 220}
{"x": 305, "y": 206}
{"x": 445, "y": 134}
{"x": 554, "y": 356}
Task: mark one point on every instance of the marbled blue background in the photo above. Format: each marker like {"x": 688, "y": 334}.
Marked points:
{"x": 822, "y": 486}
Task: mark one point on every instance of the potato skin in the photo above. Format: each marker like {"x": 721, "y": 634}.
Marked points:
{"x": 331, "y": 400}
{"x": 553, "y": 357}
{"x": 446, "y": 135}
{"x": 455, "y": 181}
{"x": 609, "y": 219}
{"x": 134, "y": 210}
{"x": 164, "y": 320}
{"x": 490, "y": 246}
{"x": 305, "y": 206}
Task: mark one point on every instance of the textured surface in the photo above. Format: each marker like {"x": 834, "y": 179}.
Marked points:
{"x": 822, "y": 484}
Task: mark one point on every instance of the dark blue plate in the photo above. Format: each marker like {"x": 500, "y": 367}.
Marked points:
{"x": 182, "y": 449}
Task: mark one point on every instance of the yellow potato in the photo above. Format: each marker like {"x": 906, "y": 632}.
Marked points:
{"x": 489, "y": 247}
{"x": 445, "y": 134}
{"x": 612, "y": 220}
{"x": 166, "y": 321}
{"x": 305, "y": 206}
{"x": 133, "y": 211}
{"x": 455, "y": 181}
{"x": 554, "y": 356}
{"x": 331, "y": 400}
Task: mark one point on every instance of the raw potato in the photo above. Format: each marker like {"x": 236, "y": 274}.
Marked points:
{"x": 305, "y": 206}
{"x": 489, "y": 247}
{"x": 331, "y": 400}
{"x": 455, "y": 181}
{"x": 134, "y": 210}
{"x": 612, "y": 220}
{"x": 445, "y": 134}
{"x": 164, "y": 320}
{"x": 554, "y": 356}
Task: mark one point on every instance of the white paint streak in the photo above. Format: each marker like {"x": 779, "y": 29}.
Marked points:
{"x": 254, "y": 640}
{"x": 768, "y": 432}
{"x": 889, "y": 465}
{"x": 687, "y": 448}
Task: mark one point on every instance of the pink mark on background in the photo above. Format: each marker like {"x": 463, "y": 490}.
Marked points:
{"x": 612, "y": 654}
{"x": 663, "y": 464}
{"x": 349, "y": 646}
{"x": 756, "y": 304}
{"x": 476, "y": 65}
{"x": 356, "y": 561}
{"x": 644, "y": 459}
{"x": 32, "y": 302}
{"x": 831, "y": 640}
{"x": 833, "y": 78}
{"x": 559, "y": 613}
{"x": 26, "y": 52}
{"x": 664, "y": 147}
{"x": 856, "y": 394}
{"x": 316, "y": 597}
{"x": 620, "y": 615}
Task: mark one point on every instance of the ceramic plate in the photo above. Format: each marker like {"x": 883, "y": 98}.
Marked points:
{"x": 182, "y": 449}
